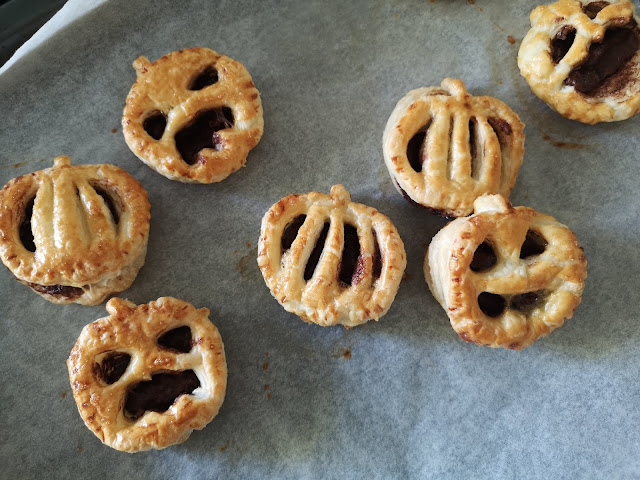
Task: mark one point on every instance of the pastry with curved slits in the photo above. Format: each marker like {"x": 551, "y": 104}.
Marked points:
{"x": 193, "y": 115}
{"x": 444, "y": 148}
{"x": 146, "y": 376}
{"x": 505, "y": 276}
{"x": 74, "y": 234}
{"x": 583, "y": 59}
{"x": 329, "y": 260}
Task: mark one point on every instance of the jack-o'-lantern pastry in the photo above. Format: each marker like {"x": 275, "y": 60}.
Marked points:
{"x": 329, "y": 260}
{"x": 505, "y": 276}
{"x": 146, "y": 376}
{"x": 444, "y": 148}
{"x": 193, "y": 115}
{"x": 583, "y": 59}
{"x": 74, "y": 234}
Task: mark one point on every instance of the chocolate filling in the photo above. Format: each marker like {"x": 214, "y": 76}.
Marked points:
{"x": 592, "y": 9}
{"x": 525, "y": 301}
{"x": 291, "y": 232}
{"x": 474, "y": 151}
{"x": 112, "y": 367}
{"x": 534, "y": 244}
{"x": 178, "y": 339}
{"x": 207, "y": 77}
{"x": 108, "y": 200}
{"x": 415, "y": 148}
{"x": 26, "y": 234}
{"x": 314, "y": 258}
{"x": 62, "y": 291}
{"x": 435, "y": 211}
{"x": 159, "y": 393}
{"x": 351, "y": 263}
{"x": 201, "y": 133}
{"x": 492, "y": 305}
{"x": 562, "y": 42}
{"x": 377, "y": 258}
{"x": 502, "y": 128}
{"x": 155, "y": 124}
{"x": 484, "y": 257}
{"x": 605, "y": 58}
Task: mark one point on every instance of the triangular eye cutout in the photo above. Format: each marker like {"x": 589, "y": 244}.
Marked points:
{"x": 534, "y": 244}
{"x": 562, "y": 42}
{"x": 112, "y": 367}
{"x": 178, "y": 339}
{"x": 155, "y": 125}
{"x": 484, "y": 257}
{"x": 206, "y": 77}
{"x": 26, "y": 234}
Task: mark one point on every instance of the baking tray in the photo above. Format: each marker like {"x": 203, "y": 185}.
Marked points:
{"x": 400, "y": 398}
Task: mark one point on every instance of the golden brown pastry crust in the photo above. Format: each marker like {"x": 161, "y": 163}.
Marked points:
{"x": 554, "y": 278}
{"x": 78, "y": 243}
{"x": 163, "y": 86}
{"x": 324, "y": 299}
{"x": 134, "y": 330}
{"x": 616, "y": 99}
{"x": 452, "y": 177}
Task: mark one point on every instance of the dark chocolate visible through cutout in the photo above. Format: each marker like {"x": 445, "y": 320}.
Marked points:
{"x": 483, "y": 258}
{"x": 159, "y": 393}
{"x": 605, "y": 58}
{"x": 62, "y": 291}
{"x": 207, "y": 77}
{"x": 492, "y": 305}
{"x": 201, "y": 133}
{"x": 26, "y": 234}
{"x": 291, "y": 232}
{"x": 109, "y": 202}
{"x": 525, "y": 301}
{"x": 377, "y": 258}
{"x": 112, "y": 367}
{"x": 474, "y": 150}
{"x": 562, "y": 42}
{"x": 155, "y": 124}
{"x": 534, "y": 244}
{"x": 178, "y": 339}
{"x": 415, "y": 148}
{"x": 592, "y": 9}
{"x": 351, "y": 263}
{"x": 314, "y": 258}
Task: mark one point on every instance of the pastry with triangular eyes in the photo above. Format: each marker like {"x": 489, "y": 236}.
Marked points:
{"x": 444, "y": 148}
{"x": 193, "y": 115}
{"x": 330, "y": 260}
{"x": 74, "y": 233}
{"x": 505, "y": 276}
{"x": 582, "y": 57}
{"x": 147, "y": 375}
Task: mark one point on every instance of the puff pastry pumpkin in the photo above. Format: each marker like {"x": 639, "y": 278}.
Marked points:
{"x": 146, "y": 376}
{"x": 583, "y": 59}
{"x": 74, "y": 234}
{"x": 505, "y": 276}
{"x": 329, "y": 260}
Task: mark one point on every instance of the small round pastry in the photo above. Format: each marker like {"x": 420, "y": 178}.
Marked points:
{"x": 146, "y": 376}
{"x": 330, "y": 261}
{"x": 192, "y": 115}
{"x": 505, "y": 276}
{"x": 444, "y": 148}
{"x": 583, "y": 59}
{"x": 74, "y": 234}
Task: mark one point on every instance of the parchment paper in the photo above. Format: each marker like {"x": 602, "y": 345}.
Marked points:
{"x": 401, "y": 398}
